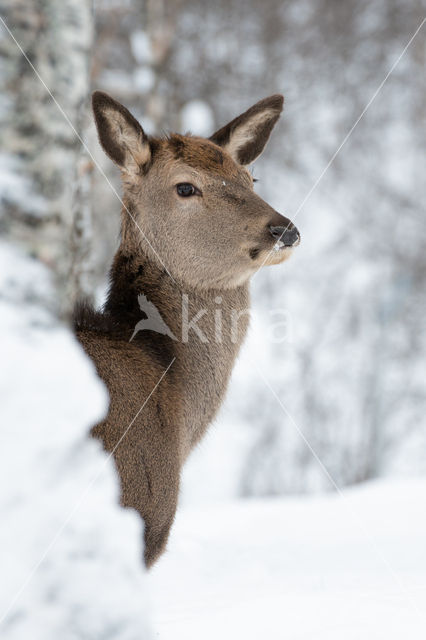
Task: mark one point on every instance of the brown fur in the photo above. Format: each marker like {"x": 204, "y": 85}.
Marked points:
{"x": 205, "y": 247}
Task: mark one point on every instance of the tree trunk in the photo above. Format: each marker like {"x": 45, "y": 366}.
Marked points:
{"x": 40, "y": 149}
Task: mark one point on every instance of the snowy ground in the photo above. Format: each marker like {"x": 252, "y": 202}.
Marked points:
{"x": 325, "y": 567}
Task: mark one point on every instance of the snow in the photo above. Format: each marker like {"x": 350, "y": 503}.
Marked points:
{"x": 144, "y": 79}
{"x": 324, "y": 567}
{"x": 70, "y": 557}
{"x": 141, "y": 46}
{"x": 197, "y": 117}
{"x": 15, "y": 188}
{"x": 115, "y": 81}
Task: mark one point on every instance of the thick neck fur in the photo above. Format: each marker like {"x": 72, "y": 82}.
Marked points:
{"x": 203, "y": 359}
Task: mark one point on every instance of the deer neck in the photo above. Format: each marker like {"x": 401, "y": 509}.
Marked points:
{"x": 202, "y": 329}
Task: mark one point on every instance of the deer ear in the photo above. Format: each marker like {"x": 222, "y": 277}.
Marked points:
{"x": 245, "y": 137}
{"x": 120, "y": 134}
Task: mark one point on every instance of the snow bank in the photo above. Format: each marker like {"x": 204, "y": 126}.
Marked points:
{"x": 325, "y": 567}
{"x": 70, "y": 557}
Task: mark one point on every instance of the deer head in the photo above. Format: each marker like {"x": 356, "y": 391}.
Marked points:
{"x": 193, "y": 197}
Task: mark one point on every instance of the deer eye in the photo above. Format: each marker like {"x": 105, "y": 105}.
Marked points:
{"x": 185, "y": 189}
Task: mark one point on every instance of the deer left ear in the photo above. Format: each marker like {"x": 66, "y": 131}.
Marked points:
{"x": 120, "y": 134}
{"x": 245, "y": 137}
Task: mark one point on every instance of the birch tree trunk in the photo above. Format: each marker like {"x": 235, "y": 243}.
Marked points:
{"x": 44, "y": 47}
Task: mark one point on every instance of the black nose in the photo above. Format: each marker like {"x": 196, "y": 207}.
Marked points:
{"x": 289, "y": 236}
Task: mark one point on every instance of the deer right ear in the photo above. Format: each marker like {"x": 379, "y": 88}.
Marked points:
{"x": 120, "y": 134}
{"x": 245, "y": 137}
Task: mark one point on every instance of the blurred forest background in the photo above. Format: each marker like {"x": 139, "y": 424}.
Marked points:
{"x": 352, "y": 373}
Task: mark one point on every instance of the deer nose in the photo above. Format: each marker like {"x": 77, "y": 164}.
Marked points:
{"x": 289, "y": 236}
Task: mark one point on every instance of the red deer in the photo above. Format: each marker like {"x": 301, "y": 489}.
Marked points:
{"x": 193, "y": 232}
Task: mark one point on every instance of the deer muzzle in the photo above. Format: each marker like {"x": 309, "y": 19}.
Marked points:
{"x": 287, "y": 235}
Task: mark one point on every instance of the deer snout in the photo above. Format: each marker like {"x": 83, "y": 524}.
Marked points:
{"x": 288, "y": 235}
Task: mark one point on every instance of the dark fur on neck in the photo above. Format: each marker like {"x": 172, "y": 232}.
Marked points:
{"x": 130, "y": 275}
